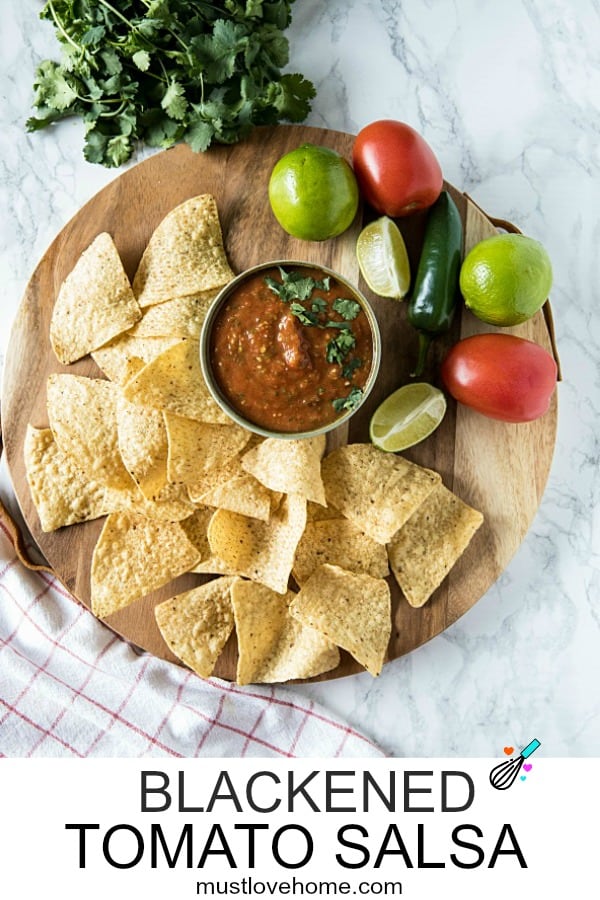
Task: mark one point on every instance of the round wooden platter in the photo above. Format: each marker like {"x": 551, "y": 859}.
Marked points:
{"x": 500, "y": 469}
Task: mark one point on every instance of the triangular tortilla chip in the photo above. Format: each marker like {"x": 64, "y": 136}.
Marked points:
{"x": 196, "y": 624}
{"x": 196, "y": 530}
{"x": 174, "y": 382}
{"x": 339, "y": 542}
{"x": 143, "y": 445}
{"x": 172, "y": 504}
{"x": 134, "y": 556}
{"x": 196, "y": 447}
{"x": 83, "y": 419}
{"x": 353, "y": 611}
{"x": 245, "y": 495}
{"x": 262, "y": 551}
{"x": 94, "y": 304}
{"x": 181, "y": 318}
{"x": 273, "y": 646}
{"x": 427, "y": 546}
{"x": 185, "y": 254}
{"x": 289, "y": 466}
{"x": 219, "y": 475}
{"x": 61, "y": 492}
{"x": 123, "y": 357}
{"x": 377, "y": 491}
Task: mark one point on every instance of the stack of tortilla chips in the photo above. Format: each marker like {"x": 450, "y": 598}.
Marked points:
{"x": 299, "y": 544}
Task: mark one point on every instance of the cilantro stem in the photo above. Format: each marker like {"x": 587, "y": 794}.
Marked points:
{"x": 115, "y": 112}
{"x": 118, "y": 14}
{"x": 61, "y": 28}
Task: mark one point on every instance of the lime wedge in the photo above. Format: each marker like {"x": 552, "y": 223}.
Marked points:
{"x": 383, "y": 260}
{"x": 407, "y": 416}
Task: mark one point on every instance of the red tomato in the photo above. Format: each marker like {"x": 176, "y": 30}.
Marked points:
{"x": 397, "y": 171}
{"x": 501, "y": 375}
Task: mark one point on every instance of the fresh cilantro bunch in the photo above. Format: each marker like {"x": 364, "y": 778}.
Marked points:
{"x": 162, "y": 71}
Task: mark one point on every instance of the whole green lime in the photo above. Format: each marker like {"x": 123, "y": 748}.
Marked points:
{"x": 506, "y": 278}
{"x": 313, "y": 193}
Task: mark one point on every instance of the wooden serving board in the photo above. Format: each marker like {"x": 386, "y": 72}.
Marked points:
{"x": 500, "y": 469}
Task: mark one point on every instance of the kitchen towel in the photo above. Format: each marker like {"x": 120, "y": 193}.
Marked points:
{"x": 69, "y": 687}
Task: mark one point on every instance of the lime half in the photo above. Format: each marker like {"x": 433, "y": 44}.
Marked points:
{"x": 383, "y": 260}
{"x": 407, "y": 416}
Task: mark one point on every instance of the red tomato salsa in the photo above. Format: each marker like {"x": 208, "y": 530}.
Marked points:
{"x": 291, "y": 350}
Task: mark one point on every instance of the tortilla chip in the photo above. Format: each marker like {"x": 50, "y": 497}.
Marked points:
{"x": 317, "y": 513}
{"x": 196, "y": 625}
{"x": 339, "y": 542}
{"x": 94, "y": 304}
{"x": 185, "y": 254}
{"x": 122, "y": 358}
{"x": 220, "y": 475}
{"x": 174, "y": 382}
{"x": 196, "y": 530}
{"x": 61, "y": 492}
{"x": 172, "y": 504}
{"x": 352, "y": 610}
{"x": 212, "y": 566}
{"x": 289, "y": 466}
{"x": 245, "y": 495}
{"x": 196, "y": 447}
{"x": 377, "y": 491}
{"x": 273, "y": 646}
{"x": 83, "y": 419}
{"x": 262, "y": 551}
{"x": 425, "y": 549}
{"x": 143, "y": 445}
{"x": 134, "y": 556}
{"x": 181, "y": 318}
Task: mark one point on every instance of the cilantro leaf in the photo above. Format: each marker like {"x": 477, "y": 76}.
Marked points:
{"x": 52, "y": 87}
{"x": 217, "y": 52}
{"x": 293, "y": 286}
{"x": 199, "y": 135}
{"x": 338, "y": 347}
{"x": 350, "y": 402}
{"x": 174, "y": 102}
{"x": 303, "y": 314}
{"x": 348, "y": 309}
{"x": 142, "y": 60}
{"x": 291, "y": 97}
{"x": 351, "y": 366}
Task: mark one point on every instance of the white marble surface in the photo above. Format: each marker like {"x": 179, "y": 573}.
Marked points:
{"x": 508, "y": 95}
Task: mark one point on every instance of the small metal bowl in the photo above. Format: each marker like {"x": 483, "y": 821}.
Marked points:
{"x": 205, "y": 348}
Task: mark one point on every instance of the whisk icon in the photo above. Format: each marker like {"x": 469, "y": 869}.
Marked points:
{"x": 504, "y": 774}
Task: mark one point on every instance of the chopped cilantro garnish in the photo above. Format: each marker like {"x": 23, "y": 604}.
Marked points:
{"x": 351, "y": 366}
{"x": 348, "y": 309}
{"x": 319, "y": 305}
{"x": 303, "y": 314}
{"x": 339, "y": 347}
{"x": 349, "y": 402}
{"x": 295, "y": 286}
{"x": 343, "y": 326}
{"x": 163, "y": 71}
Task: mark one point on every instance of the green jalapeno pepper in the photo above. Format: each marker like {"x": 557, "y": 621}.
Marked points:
{"x": 433, "y": 301}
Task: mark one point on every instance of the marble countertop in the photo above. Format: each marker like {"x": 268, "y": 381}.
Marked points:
{"x": 508, "y": 96}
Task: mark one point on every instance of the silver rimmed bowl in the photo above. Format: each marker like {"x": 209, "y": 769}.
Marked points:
{"x": 219, "y": 359}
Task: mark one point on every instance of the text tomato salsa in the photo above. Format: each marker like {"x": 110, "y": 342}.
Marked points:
{"x": 291, "y": 350}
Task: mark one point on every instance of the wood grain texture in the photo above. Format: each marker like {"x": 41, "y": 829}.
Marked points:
{"x": 501, "y": 469}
